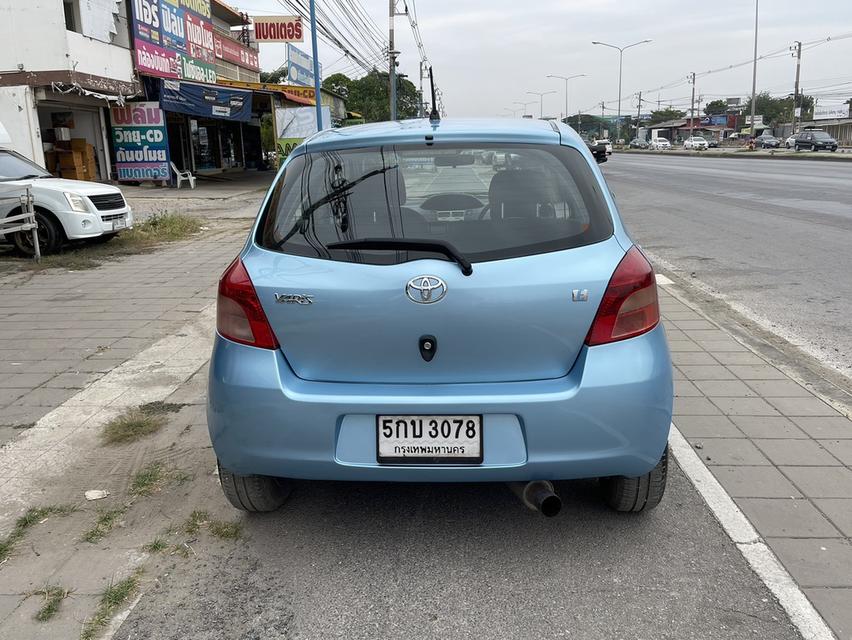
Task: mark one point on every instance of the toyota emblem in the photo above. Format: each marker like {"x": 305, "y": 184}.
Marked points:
{"x": 425, "y": 289}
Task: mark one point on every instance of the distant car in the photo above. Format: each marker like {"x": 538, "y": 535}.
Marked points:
{"x": 64, "y": 209}
{"x": 357, "y": 341}
{"x": 767, "y": 142}
{"x": 660, "y": 143}
{"x": 713, "y": 143}
{"x": 814, "y": 140}
{"x": 790, "y": 142}
{"x": 696, "y": 143}
{"x": 638, "y": 143}
{"x": 607, "y": 144}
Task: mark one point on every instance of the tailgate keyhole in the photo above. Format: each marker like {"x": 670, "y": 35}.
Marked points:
{"x": 428, "y": 347}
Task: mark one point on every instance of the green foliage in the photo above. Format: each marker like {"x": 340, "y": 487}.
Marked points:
{"x": 267, "y": 132}
{"x": 53, "y": 596}
{"x": 107, "y": 519}
{"x": 273, "y": 77}
{"x": 32, "y": 517}
{"x": 370, "y": 95}
{"x": 778, "y": 110}
{"x": 666, "y": 114}
{"x": 716, "y": 108}
{"x": 115, "y": 595}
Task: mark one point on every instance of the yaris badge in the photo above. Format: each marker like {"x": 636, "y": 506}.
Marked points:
{"x": 425, "y": 289}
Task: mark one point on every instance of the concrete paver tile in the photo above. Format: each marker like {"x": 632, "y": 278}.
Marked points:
{"x": 833, "y": 606}
{"x": 756, "y": 372}
{"x": 839, "y": 512}
{"x": 803, "y": 407}
{"x": 728, "y": 451}
{"x": 816, "y": 562}
{"x": 694, "y": 325}
{"x": 725, "y": 388}
{"x": 26, "y": 380}
{"x": 779, "y": 388}
{"x": 768, "y": 427}
{"x": 676, "y": 346}
{"x": 8, "y": 603}
{"x": 685, "y": 388}
{"x": 825, "y": 427}
{"x": 755, "y": 482}
{"x": 692, "y": 357}
{"x": 738, "y": 357}
{"x": 786, "y": 518}
{"x": 791, "y": 452}
{"x": 744, "y": 406}
{"x": 821, "y": 482}
{"x": 707, "y": 427}
{"x": 687, "y": 406}
{"x": 840, "y": 449}
{"x": 706, "y": 372}
{"x": 729, "y": 344}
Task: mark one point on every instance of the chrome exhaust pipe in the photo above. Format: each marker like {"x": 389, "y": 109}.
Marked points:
{"x": 538, "y": 495}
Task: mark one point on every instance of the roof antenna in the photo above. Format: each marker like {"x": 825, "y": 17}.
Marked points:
{"x": 434, "y": 116}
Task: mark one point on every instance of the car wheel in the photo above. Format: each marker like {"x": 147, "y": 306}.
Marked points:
{"x": 50, "y": 235}
{"x": 796, "y": 148}
{"x": 637, "y": 494}
{"x": 254, "y": 493}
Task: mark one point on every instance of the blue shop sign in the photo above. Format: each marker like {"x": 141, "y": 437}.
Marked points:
{"x": 205, "y": 100}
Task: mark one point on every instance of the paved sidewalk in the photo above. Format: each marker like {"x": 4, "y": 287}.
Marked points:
{"x": 781, "y": 452}
{"x": 62, "y": 330}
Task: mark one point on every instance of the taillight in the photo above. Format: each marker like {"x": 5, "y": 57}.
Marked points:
{"x": 629, "y": 306}
{"x": 239, "y": 316}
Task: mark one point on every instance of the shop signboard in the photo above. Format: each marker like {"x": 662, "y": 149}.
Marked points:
{"x": 831, "y": 111}
{"x": 232, "y": 51}
{"x": 174, "y": 39}
{"x": 141, "y": 142}
{"x": 205, "y": 101}
{"x": 300, "y": 67}
{"x": 278, "y": 29}
{"x": 294, "y": 125}
{"x": 309, "y": 93}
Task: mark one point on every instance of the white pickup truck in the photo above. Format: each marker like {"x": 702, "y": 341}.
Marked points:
{"x": 65, "y": 209}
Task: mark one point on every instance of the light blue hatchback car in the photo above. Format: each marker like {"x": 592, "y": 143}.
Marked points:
{"x": 452, "y": 301}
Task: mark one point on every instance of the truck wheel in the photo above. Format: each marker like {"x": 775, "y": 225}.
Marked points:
{"x": 50, "y": 235}
{"x": 254, "y": 493}
{"x": 637, "y": 494}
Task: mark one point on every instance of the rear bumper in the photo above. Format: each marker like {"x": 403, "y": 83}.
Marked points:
{"x": 609, "y": 416}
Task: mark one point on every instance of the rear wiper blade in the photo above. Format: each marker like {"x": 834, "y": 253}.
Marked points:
{"x": 406, "y": 244}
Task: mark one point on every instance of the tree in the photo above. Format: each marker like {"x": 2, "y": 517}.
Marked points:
{"x": 668, "y": 113}
{"x": 716, "y": 108}
{"x": 273, "y": 77}
{"x": 778, "y": 110}
{"x": 370, "y": 96}
{"x": 338, "y": 83}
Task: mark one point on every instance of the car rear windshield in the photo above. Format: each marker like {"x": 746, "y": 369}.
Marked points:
{"x": 490, "y": 202}
{"x": 821, "y": 135}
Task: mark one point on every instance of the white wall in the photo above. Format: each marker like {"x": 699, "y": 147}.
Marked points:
{"x": 18, "y": 115}
{"x": 99, "y": 58}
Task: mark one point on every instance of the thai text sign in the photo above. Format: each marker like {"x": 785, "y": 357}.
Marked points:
{"x": 278, "y": 29}
{"x": 233, "y": 51}
{"x": 300, "y": 67}
{"x": 141, "y": 142}
{"x": 174, "y": 39}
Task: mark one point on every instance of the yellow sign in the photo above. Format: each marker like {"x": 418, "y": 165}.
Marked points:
{"x": 298, "y": 90}
{"x": 286, "y": 146}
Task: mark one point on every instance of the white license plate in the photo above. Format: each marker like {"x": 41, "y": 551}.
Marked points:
{"x": 119, "y": 223}
{"x": 429, "y": 439}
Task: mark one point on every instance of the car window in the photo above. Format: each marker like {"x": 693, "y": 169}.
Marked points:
{"x": 821, "y": 135}
{"x": 489, "y": 201}
{"x": 13, "y": 167}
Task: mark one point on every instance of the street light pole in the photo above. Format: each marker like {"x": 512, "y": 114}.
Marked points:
{"x": 524, "y": 105}
{"x": 566, "y": 79}
{"x": 754, "y": 70}
{"x": 621, "y": 51}
{"x": 317, "y": 79}
{"x": 540, "y": 95}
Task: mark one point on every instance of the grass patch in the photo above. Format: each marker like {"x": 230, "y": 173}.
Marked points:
{"x": 226, "y": 530}
{"x": 157, "y": 229}
{"x": 194, "y": 521}
{"x": 107, "y": 519}
{"x": 114, "y": 597}
{"x": 148, "y": 479}
{"x": 33, "y": 516}
{"x": 53, "y": 596}
{"x": 138, "y": 422}
{"x": 156, "y": 545}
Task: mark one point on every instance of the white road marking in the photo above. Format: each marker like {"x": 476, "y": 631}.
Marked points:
{"x": 662, "y": 280}
{"x": 758, "y": 555}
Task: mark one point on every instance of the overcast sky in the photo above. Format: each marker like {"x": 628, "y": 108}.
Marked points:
{"x": 488, "y": 53}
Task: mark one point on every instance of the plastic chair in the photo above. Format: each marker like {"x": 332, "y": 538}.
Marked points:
{"x": 183, "y": 175}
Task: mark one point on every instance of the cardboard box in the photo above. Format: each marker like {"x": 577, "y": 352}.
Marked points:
{"x": 89, "y": 153}
{"x": 62, "y": 133}
{"x": 79, "y": 144}
{"x": 71, "y": 160}
{"x": 90, "y": 170}
{"x": 71, "y": 174}
{"x": 50, "y": 161}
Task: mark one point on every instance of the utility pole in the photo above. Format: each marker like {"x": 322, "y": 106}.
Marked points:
{"x": 754, "y": 70}
{"x": 692, "y": 106}
{"x": 392, "y": 60}
{"x": 578, "y": 121}
{"x": 796, "y": 102}
{"x": 317, "y": 79}
{"x": 602, "y": 119}
{"x": 638, "y": 114}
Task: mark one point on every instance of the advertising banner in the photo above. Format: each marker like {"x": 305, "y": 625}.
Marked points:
{"x": 205, "y": 101}
{"x": 294, "y": 125}
{"x": 831, "y": 112}
{"x": 309, "y": 93}
{"x": 278, "y": 29}
{"x": 141, "y": 142}
{"x": 300, "y": 67}
{"x": 230, "y": 51}
{"x": 174, "y": 39}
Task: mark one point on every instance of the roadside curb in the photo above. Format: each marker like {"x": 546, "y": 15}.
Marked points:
{"x": 828, "y": 157}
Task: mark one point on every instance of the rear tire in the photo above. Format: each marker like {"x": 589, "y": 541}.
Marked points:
{"x": 50, "y": 235}
{"x": 254, "y": 493}
{"x": 633, "y": 495}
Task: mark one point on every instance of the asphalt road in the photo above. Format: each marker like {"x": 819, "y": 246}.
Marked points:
{"x": 772, "y": 237}
{"x": 372, "y": 561}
